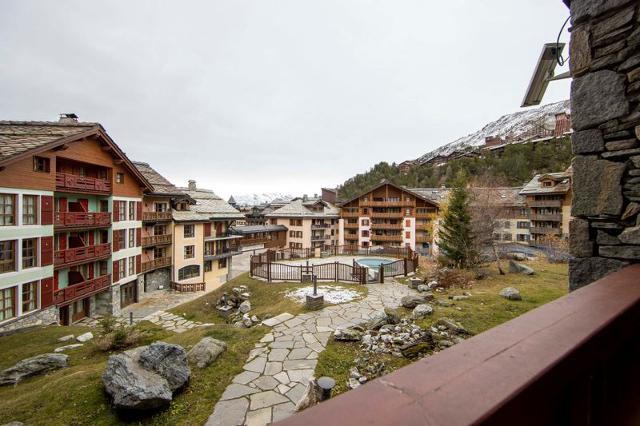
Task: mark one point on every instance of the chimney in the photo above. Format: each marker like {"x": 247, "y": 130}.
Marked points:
{"x": 68, "y": 117}
{"x": 192, "y": 185}
{"x": 304, "y": 197}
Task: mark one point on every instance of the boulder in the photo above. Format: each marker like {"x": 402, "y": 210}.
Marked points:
{"x": 422, "y": 311}
{"x": 85, "y": 337}
{"x": 411, "y": 301}
{"x": 510, "y": 293}
{"x": 432, "y": 284}
{"x": 245, "y": 307}
{"x": 347, "y": 334}
{"x": 68, "y": 347}
{"x": 393, "y": 317}
{"x": 66, "y": 338}
{"x": 33, "y": 366}
{"x": 458, "y": 298}
{"x": 311, "y": 396}
{"x": 206, "y": 351}
{"x": 414, "y": 283}
{"x": 451, "y": 325}
{"x": 167, "y": 360}
{"x": 414, "y": 350}
{"x": 518, "y": 268}
{"x": 379, "y": 319}
{"x": 423, "y": 288}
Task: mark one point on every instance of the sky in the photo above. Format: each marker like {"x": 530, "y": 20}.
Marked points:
{"x": 288, "y": 96}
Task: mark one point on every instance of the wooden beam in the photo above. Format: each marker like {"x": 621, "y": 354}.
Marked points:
{"x": 106, "y": 148}
{"x": 118, "y": 161}
{"x": 61, "y": 147}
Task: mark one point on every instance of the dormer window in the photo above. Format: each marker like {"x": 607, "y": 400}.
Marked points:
{"x": 547, "y": 183}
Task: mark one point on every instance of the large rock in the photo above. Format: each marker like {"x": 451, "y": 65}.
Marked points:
{"x": 85, "y": 337}
{"x": 206, "y": 351}
{"x": 581, "y": 9}
{"x": 393, "y": 317}
{"x": 597, "y": 189}
{"x": 630, "y": 236}
{"x": 518, "y": 268}
{"x": 510, "y": 293}
{"x": 587, "y": 270}
{"x": 451, "y": 325}
{"x": 33, "y": 366}
{"x": 579, "y": 243}
{"x": 411, "y": 301}
{"x": 422, "y": 311}
{"x": 245, "y": 307}
{"x": 587, "y": 141}
{"x": 167, "y": 360}
{"x": 597, "y": 97}
{"x": 379, "y": 319}
{"x": 348, "y": 334}
{"x": 311, "y": 396}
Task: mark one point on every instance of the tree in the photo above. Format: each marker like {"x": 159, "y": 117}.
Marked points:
{"x": 455, "y": 233}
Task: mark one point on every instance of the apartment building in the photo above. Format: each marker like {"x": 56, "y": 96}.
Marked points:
{"x": 390, "y": 215}
{"x": 311, "y": 223}
{"x": 506, "y": 211}
{"x": 70, "y": 223}
{"x": 548, "y": 197}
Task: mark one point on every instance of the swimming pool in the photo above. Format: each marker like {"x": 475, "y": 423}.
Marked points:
{"x": 374, "y": 263}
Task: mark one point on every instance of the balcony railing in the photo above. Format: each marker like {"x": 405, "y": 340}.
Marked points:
{"x": 348, "y": 225}
{"x": 386, "y": 225}
{"x": 423, "y": 215}
{"x": 81, "y": 290}
{"x": 546, "y": 231}
{"x": 319, "y": 225}
{"x": 386, "y": 215}
{"x": 544, "y": 203}
{"x": 222, "y": 253}
{"x": 69, "y": 182}
{"x": 549, "y": 217}
{"x": 156, "y": 216}
{"x": 319, "y": 237}
{"x": 574, "y": 358}
{"x": 397, "y": 203}
{"x": 423, "y": 239}
{"x": 375, "y": 237}
{"x": 81, "y": 219}
{"x": 156, "y": 263}
{"x": 79, "y": 255}
{"x": 349, "y": 214}
{"x": 154, "y": 240}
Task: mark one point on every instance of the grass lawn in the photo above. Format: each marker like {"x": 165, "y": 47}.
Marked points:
{"x": 267, "y": 299}
{"x": 483, "y": 310}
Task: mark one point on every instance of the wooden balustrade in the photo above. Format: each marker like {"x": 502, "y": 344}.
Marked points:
{"x": 188, "y": 287}
{"x": 74, "y": 256}
{"x": 153, "y": 240}
{"x": 156, "y": 263}
{"x": 545, "y": 230}
{"x": 72, "y": 183}
{"x": 156, "y": 216}
{"x": 81, "y": 219}
{"x": 386, "y": 225}
{"x": 544, "y": 203}
{"x": 375, "y": 237}
{"x": 81, "y": 290}
{"x": 553, "y": 217}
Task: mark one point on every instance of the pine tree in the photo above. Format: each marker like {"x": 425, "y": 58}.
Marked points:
{"x": 455, "y": 234}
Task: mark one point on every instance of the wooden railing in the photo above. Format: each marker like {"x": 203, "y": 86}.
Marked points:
{"x": 423, "y": 239}
{"x": 81, "y": 219}
{"x": 386, "y": 225}
{"x": 319, "y": 225}
{"x": 351, "y": 225}
{"x": 152, "y": 240}
{"x": 349, "y": 214}
{"x": 319, "y": 237}
{"x": 397, "y": 203}
{"x": 574, "y": 359}
{"x": 156, "y": 216}
{"x": 543, "y": 230}
{"x": 387, "y": 215}
{"x": 544, "y": 203}
{"x": 81, "y": 254}
{"x": 187, "y": 287}
{"x": 556, "y": 217}
{"x": 159, "y": 262}
{"x": 69, "y": 182}
{"x": 81, "y": 290}
{"x": 375, "y": 237}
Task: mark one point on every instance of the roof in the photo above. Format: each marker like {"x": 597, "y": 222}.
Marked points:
{"x": 161, "y": 186}
{"x": 208, "y": 206}
{"x": 562, "y": 183}
{"x": 253, "y": 229}
{"x": 299, "y": 207}
{"x": 20, "y": 139}
{"x": 504, "y": 196}
{"x": 435, "y": 195}
{"x": 413, "y": 191}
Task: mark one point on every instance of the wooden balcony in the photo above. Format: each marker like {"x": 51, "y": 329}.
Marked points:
{"x": 319, "y": 225}
{"x": 81, "y": 290}
{"x": 222, "y": 253}
{"x": 351, "y": 225}
{"x": 544, "y": 203}
{"x": 386, "y": 226}
{"x": 394, "y": 238}
{"x": 156, "y": 240}
{"x": 71, "y": 220}
{"x": 546, "y": 217}
{"x": 574, "y": 359}
{"x": 73, "y": 183}
{"x": 423, "y": 239}
{"x": 345, "y": 213}
{"x": 159, "y": 262}
{"x": 156, "y": 216}
{"x": 431, "y": 215}
{"x": 319, "y": 237}
{"x": 545, "y": 230}
{"x": 387, "y": 215}
{"x": 397, "y": 203}
{"x": 79, "y": 255}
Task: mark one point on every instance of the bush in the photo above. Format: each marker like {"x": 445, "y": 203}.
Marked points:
{"x": 454, "y": 278}
{"x": 119, "y": 337}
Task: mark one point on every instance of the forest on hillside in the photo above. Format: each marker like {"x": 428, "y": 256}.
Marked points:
{"x": 514, "y": 167}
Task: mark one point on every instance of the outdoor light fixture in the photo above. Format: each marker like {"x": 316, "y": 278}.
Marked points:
{"x": 543, "y": 74}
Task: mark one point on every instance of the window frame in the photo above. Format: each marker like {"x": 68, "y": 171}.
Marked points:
{"x": 3, "y": 303}
{"x": 4, "y": 207}
{"x": 189, "y": 252}
{"x": 33, "y": 208}
{"x": 122, "y": 269}
{"x": 34, "y": 255}
{"x": 8, "y": 246}
{"x": 132, "y": 265}
{"x": 132, "y": 237}
{"x": 191, "y": 234}
{"x": 188, "y": 272}
{"x": 132, "y": 210}
{"x": 46, "y": 163}
{"x": 119, "y": 178}
{"x": 32, "y": 292}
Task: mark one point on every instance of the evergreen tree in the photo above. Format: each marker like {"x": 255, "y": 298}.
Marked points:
{"x": 455, "y": 238}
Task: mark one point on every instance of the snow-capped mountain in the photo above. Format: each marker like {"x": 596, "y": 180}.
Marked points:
{"x": 509, "y": 126}
{"x": 257, "y": 199}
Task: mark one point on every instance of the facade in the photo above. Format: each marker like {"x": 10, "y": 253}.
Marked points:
{"x": 330, "y": 195}
{"x": 261, "y": 236}
{"x": 390, "y": 215}
{"x": 508, "y": 210}
{"x": 70, "y": 234}
{"x": 311, "y": 223}
{"x": 548, "y": 198}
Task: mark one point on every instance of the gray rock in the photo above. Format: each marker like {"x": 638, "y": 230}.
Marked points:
{"x": 597, "y": 97}
{"x": 353, "y": 383}
{"x": 598, "y": 190}
{"x": 451, "y": 325}
{"x": 518, "y": 268}
{"x": 584, "y": 271}
{"x": 510, "y": 293}
{"x": 423, "y": 288}
{"x": 620, "y": 252}
{"x": 85, "y": 337}
{"x": 245, "y": 307}
{"x": 432, "y": 284}
{"x": 414, "y": 283}
{"x": 311, "y": 395}
{"x": 167, "y": 360}
{"x": 587, "y": 141}
{"x": 421, "y": 311}
{"x": 579, "y": 243}
{"x": 68, "y": 347}
{"x": 442, "y": 302}
{"x": 458, "y": 298}
{"x": 206, "y": 351}
{"x": 580, "y": 51}
{"x": 411, "y": 301}
{"x": 66, "y": 338}
{"x": 622, "y": 144}
{"x": 605, "y": 238}
{"x": 379, "y": 319}
{"x": 630, "y": 236}
{"x": 393, "y": 317}
{"x": 347, "y": 335}
{"x": 33, "y": 366}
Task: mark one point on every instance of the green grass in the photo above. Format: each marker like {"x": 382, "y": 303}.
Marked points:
{"x": 267, "y": 299}
{"x": 483, "y": 310}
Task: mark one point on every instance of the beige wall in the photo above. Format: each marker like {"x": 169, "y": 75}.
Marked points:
{"x": 179, "y": 242}
{"x": 306, "y": 231}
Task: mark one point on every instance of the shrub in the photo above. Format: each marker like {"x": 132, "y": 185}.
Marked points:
{"x": 454, "y": 278}
{"x": 120, "y": 337}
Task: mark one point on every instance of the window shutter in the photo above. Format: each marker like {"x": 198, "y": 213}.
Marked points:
{"x": 63, "y": 205}
{"x": 46, "y": 251}
{"x": 90, "y": 271}
{"x": 46, "y": 209}
{"x": 116, "y": 211}
{"x": 207, "y": 229}
{"x": 138, "y": 210}
{"x": 116, "y": 241}
{"x": 46, "y": 293}
{"x": 116, "y": 271}
{"x": 138, "y": 264}
{"x": 138, "y": 237}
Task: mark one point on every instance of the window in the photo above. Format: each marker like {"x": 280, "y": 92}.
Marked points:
{"x": 208, "y": 265}
{"x": 189, "y": 231}
{"x": 191, "y": 271}
{"x": 365, "y": 222}
{"x": 161, "y": 207}
{"x": 158, "y": 252}
{"x": 7, "y": 256}
{"x": 7, "y": 303}
{"x": 407, "y": 223}
{"x": 407, "y": 234}
{"x": 122, "y": 269}
{"x": 29, "y": 209}
{"x": 132, "y": 265}
{"x": 365, "y": 234}
{"x": 189, "y": 252}
{"x": 41, "y": 164}
{"x": 119, "y": 177}
{"x": 7, "y": 210}
{"x": 222, "y": 263}
{"x": 132, "y": 238}
{"x": 29, "y": 296}
{"x": 132, "y": 210}
{"x": 122, "y": 210}
{"x": 507, "y": 237}
{"x": 159, "y": 230}
{"x": 29, "y": 250}
{"x": 122, "y": 239}
{"x": 523, "y": 225}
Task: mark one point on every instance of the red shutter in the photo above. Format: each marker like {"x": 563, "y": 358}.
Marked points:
{"x": 46, "y": 251}
{"x": 46, "y": 292}
{"x": 55, "y": 280}
{"x": 92, "y": 237}
{"x": 63, "y": 204}
{"x": 84, "y": 203}
{"x": 46, "y": 209}
{"x": 116, "y": 271}
{"x": 116, "y": 211}
{"x": 138, "y": 210}
{"x": 138, "y": 264}
{"x": 116, "y": 241}
{"x": 207, "y": 229}
{"x": 138, "y": 237}
{"x": 91, "y": 271}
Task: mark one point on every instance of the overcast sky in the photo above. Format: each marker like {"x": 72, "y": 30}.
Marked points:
{"x": 273, "y": 96}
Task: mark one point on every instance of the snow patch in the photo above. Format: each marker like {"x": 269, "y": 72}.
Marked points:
{"x": 257, "y": 199}
{"x": 332, "y": 294}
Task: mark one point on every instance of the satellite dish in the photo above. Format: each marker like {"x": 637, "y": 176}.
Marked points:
{"x": 549, "y": 122}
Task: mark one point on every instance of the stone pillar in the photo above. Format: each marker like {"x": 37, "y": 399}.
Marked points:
{"x": 605, "y": 112}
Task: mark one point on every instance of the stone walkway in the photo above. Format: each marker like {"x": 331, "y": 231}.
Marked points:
{"x": 278, "y": 369}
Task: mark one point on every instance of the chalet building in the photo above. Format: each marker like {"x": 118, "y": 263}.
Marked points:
{"x": 509, "y": 215}
{"x": 548, "y": 197}
{"x": 390, "y": 215}
{"x": 70, "y": 223}
{"x": 261, "y": 236}
{"x": 311, "y": 223}
{"x": 330, "y": 195}
{"x": 406, "y": 166}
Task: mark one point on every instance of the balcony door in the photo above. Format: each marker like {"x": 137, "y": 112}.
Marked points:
{"x": 128, "y": 294}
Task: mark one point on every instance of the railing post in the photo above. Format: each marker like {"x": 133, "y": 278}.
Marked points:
{"x": 337, "y": 278}
{"x": 405, "y": 266}
{"x": 381, "y": 274}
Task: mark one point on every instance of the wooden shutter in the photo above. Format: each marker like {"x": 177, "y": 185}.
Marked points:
{"x": 63, "y": 204}
{"x": 46, "y": 209}
{"x": 46, "y": 251}
{"x": 138, "y": 264}
{"x": 138, "y": 237}
{"x": 92, "y": 237}
{"x": 116, "y": 211}
{"x": 116, "y": 270}
{"x": 207, "y": 229}
{"x": 138, "y": 210}
{"x": 91, "y": 272}
{"x": 46, "y": 292}
{"x": 116, "y": 241}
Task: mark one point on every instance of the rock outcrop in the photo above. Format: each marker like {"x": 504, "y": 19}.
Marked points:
{"x": 206, "y": 351}
{"x": 33, "y": 366}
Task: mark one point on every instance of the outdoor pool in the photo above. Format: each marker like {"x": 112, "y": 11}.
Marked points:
{"x": 372, "y": 262}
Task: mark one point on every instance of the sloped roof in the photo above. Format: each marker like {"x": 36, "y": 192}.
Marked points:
{"x": 300, "y": 208}
{"x": 562, "y": 185}
{"x": 503, "y": 196}
{"x": 413, "y": 191}
{"x": 208, "y": 206}
{"x": 252, "y": 229}
{"x": 435, "y": 195}
{"x": 161, "y": 186}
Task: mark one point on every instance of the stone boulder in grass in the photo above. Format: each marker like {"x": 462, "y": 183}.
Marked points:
{"x": 34, "y": 366}
{"x": 206, "y": 351}
{"x": 519, "y": 268}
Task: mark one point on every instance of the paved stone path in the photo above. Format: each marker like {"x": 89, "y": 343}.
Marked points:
{"x": 278, "y": 369}
{"x": 173, "y": 322}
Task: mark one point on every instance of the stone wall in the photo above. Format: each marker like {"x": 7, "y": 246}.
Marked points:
{"x": 42, "y": 317}
{"x": 605, "y": 96}
{"x": 157, "y": 280}
{"x": 107, "y": 302}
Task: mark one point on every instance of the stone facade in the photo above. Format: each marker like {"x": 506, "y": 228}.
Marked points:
{"x": 107, "y": 302}
{"x": 160, "y": 279}
{"x": 42, "y": 317}
{"x": 605, "y": 108}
